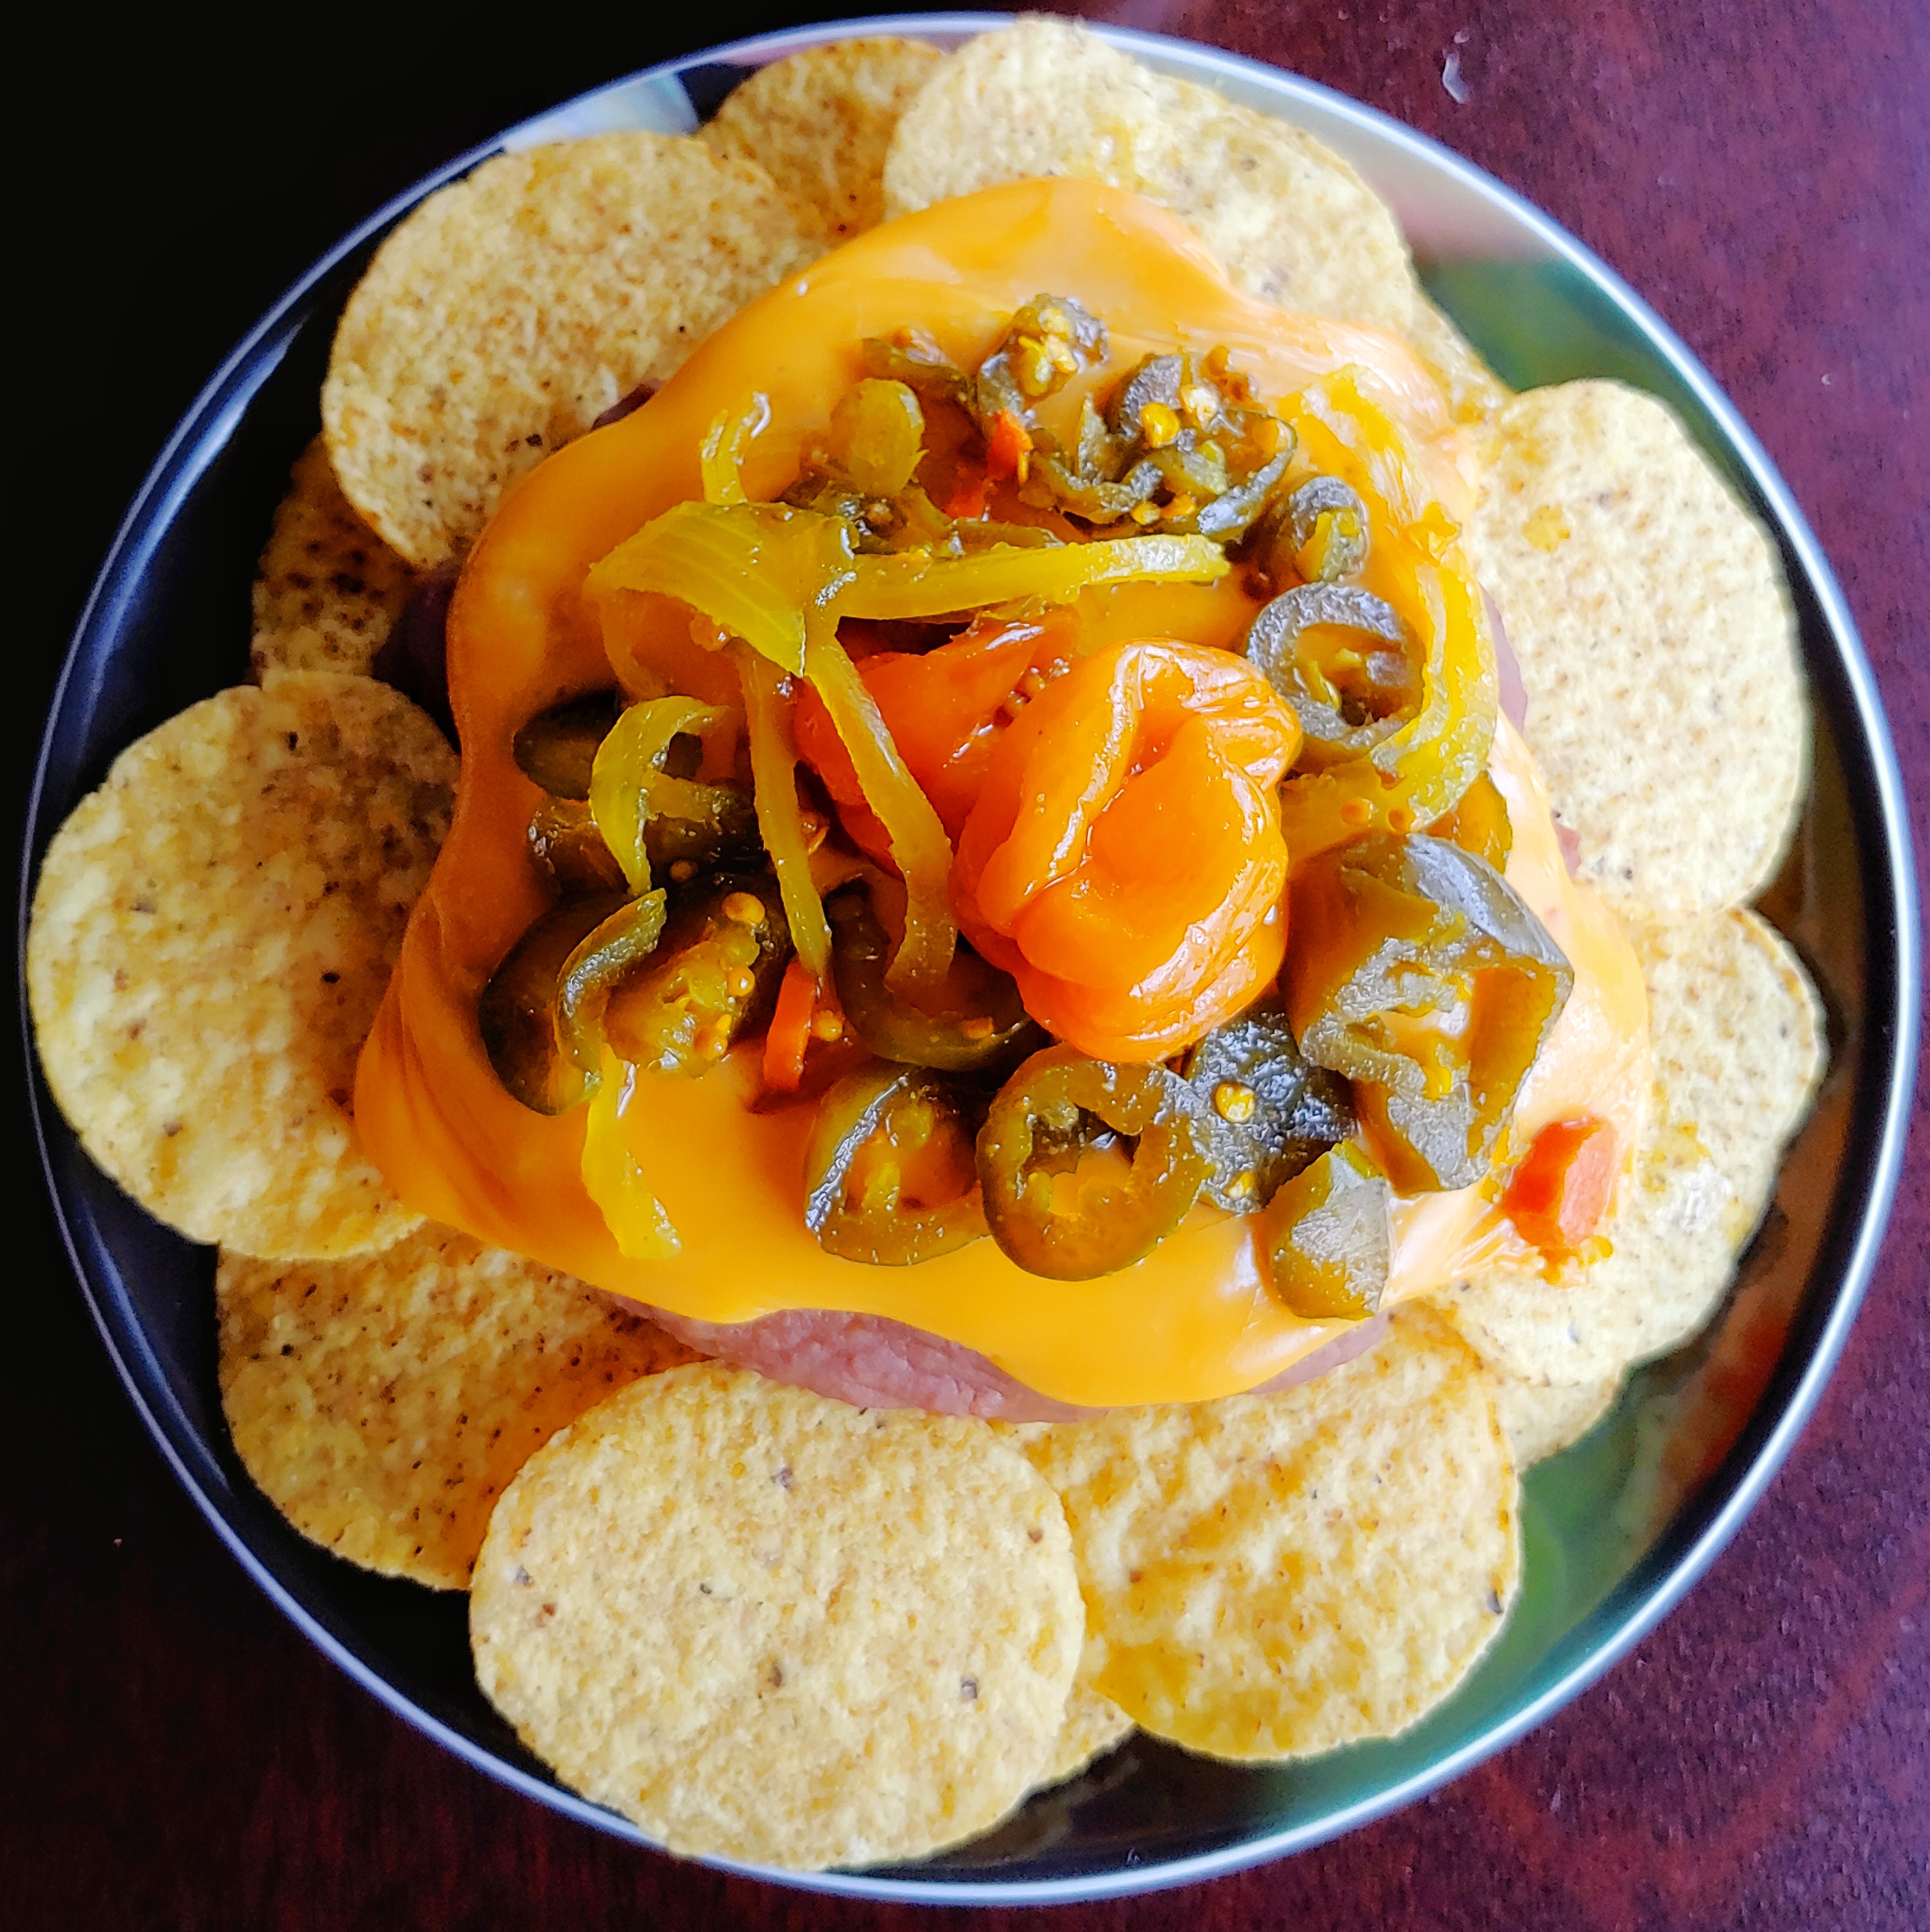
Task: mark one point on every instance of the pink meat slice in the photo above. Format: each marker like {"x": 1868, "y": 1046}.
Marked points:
{"x": 875, "y": 1363}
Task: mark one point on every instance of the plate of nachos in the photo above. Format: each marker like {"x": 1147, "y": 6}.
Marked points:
{"x": 1015, "y": 1029}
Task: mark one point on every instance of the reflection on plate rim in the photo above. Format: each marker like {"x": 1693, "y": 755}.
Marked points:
{"x": 1362, "y": 132}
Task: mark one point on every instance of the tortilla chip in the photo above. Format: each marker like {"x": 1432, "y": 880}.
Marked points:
{"x": 1739, "y": 1047}
{"x": 508, "y": 311}
{"x": 328, "y": 589}
{"x": 1268, "y": 1576}
{"x": 819, "y": 121}
{"x": 382, "y": 1403}
{"x": 1541, "y": 1419}
{"x": 1292, "y": 222}
{"x": 767, "y": 1625}
{"x": 212, "y": 931}
{"x": 1666, "y": 706}
{"x": 1474, "y": 393}
{"x": 1094, "y": 1725}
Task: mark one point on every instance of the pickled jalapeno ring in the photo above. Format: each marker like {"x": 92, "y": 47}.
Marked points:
{"x": 972, "y": 1017}
{"x": 1274, "y": 1112}
{"x": 889, "y": 1176}
{"x": 557, "y": 748}
{"x": 1348, "y": 698}
{"x": 1060, "y": 1097}
{"x": 1418, "y": 973}
{"x": 565, "y": 842}
{"x": 1328, "y": 1237}
{"x": 646, "y": 815}
{"x": 713, "y": 975}
{"x": 1326, "y": 525}
{"x": 517, "y": 1014}
{"x": 617, "y": 945}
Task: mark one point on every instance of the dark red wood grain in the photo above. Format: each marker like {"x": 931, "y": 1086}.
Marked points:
{"x": 175, "y": 1755}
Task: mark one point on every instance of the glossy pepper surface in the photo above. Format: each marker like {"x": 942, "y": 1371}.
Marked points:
{"x": 1420, "y": 973}
{"x": 1124, "y": 862}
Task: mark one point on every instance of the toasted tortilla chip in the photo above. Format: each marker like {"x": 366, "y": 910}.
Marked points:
{"x": 767, "y": 1625}
{"x": 328, "y": 589}
{"x": 1474, "y": 393}
{"x": 383, "y": 1401}
{"x": 508, "y": 311}
{"x": 819, "y": 122}
{"x": 1094, "y": 1725}
{"x": 1739, "y": 1047}
{"x": 1666, "y": 706}
{"x": 1541, "y": 1419}
{"x": 1268, "y": 1576}
{"x": 211, "y": 933}
{"x": 1291, "y": 221}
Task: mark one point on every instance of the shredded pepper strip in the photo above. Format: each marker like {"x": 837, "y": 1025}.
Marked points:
{"x": 780, "y": 817}
{"x": 919, "y": 847}
{"x": 913, "y": 584}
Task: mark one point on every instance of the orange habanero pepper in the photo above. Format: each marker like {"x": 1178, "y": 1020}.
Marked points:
{"x": 1125, "y": 862}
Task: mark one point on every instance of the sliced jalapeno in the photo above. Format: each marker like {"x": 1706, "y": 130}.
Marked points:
{"x": 646, "y": 815}
{"x": 564, "y": 841}
{"x": 1274, "y": 1112}
{"x": 613, "y": 949}
{"x": 517, "y": 1014}
{"x": 1418, "y": 972}
{"x": 1351, "y": 695}
{"x": 1060, "y": 1101}
{"x": 889, "y": 1176}
{"x": 713, "y": 975}
{"x": 1328, "y": 1237}
{"x": 974, "y": 1017}
{"x": 557, "y": 748}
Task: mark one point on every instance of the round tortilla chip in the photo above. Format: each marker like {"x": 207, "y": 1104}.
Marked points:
{"x": 766, "y": 1625}
{"x": 509, "y": 310}
{"x": 212, "y": 931}
{"x": 1645, "y": 605}
{"x": 1738, "y": 1049}
{"x": 1094, "y": 1725}
{"x": 1270, "y": 1576}
{"x": 1541, "y": 1419}
{"x": 819, "y": 122}
{"x": 1293, "y": 223}
{"x": 328, "y": 589}
{"x": 383, "y": 1402}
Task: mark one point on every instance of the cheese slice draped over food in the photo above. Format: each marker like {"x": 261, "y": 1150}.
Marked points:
{"x": 1193, "y": 1320}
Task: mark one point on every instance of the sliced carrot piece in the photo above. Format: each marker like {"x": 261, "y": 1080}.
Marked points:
{"x": 1559, "y": 1194}
{"x": 790, "y": 1034}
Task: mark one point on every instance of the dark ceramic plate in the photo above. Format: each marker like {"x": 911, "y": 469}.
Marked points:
{"x": 1614, "y": 1533}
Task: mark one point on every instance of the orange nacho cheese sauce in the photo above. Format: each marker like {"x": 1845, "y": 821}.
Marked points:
{"x": 1194, "y": 1319}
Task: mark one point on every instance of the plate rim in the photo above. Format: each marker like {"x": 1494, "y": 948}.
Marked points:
{"x": 205, "y": 427}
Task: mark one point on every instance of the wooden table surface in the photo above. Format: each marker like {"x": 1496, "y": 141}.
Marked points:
{"x": 175, "y": 1755}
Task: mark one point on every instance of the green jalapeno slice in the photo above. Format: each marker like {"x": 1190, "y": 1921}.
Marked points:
{"x": 889, "y": 1174}
{"x": 557, "y": 748}
{"x": 1418, "y": 972}
{"x": 1328, "y": 1237}
{"x": 1060, "y": 1101}
{"x": 712, "y": 975}
{"x": 1274, "y": 1112}
{"x": 974, "y": 1016}
{"x": 647, "y": 815}
{"x": 1351, "y": 694}
{"x": 565, "y": 842}
{"x": 518, "y": 1015}
{"x": 605, "y": 956}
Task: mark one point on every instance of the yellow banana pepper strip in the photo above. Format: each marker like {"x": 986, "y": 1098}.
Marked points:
{"x": 773, "y": 760}
{"x": 629, "y": 787}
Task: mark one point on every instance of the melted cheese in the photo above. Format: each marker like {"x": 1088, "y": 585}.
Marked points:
{"x": 1194, "y": 1319}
